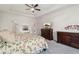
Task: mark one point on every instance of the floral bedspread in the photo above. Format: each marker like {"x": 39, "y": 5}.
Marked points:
{"x": 34, "y": 45}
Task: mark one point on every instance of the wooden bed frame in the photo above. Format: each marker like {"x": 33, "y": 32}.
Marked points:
{"x": 68, "y": 38}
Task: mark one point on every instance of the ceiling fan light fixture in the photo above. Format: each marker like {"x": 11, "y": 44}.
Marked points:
{"x": 32, "y": 9}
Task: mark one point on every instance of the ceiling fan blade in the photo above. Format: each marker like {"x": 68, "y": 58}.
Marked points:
{"x": 38, "y": 9}
{"x": 27, "y": 9}
{"x": 27, "y": 5}
{"x": 36, "y": 5}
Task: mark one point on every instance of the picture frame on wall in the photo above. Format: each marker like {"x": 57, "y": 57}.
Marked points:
{"x": 25, "y": 28}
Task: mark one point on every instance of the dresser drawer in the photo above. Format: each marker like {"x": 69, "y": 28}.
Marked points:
{"x": 43, "y": 32}
{"x": 67, "y": 38}
{"x": 75, "y": 44}
{"x": 47, "y": 33}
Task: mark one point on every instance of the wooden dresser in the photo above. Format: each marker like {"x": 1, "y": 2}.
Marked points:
{"x": 67, "y": 38}
{"x": 47, "y": 33}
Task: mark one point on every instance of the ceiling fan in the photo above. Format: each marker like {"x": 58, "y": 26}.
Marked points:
{"x": 32, "y": 7}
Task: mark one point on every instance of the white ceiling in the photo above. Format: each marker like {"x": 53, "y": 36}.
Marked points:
{"x": 20, "y": 8}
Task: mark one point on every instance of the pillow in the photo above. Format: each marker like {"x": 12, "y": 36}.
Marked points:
{"x": 8, "y": 36}
{"x": 23, "y": 36}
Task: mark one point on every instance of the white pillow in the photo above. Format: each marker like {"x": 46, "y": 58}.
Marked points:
{"x": 8, "y": 36}
{"x": 23, "y": 36}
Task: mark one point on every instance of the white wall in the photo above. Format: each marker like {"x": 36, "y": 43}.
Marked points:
{"x": 61, "y": 18}
{"x": 7, "y": 19}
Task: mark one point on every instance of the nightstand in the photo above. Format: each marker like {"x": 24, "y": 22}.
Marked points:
{"x": 47, "y": 33}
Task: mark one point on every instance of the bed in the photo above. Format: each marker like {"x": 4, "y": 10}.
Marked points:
{"x": 21, "y": 43}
